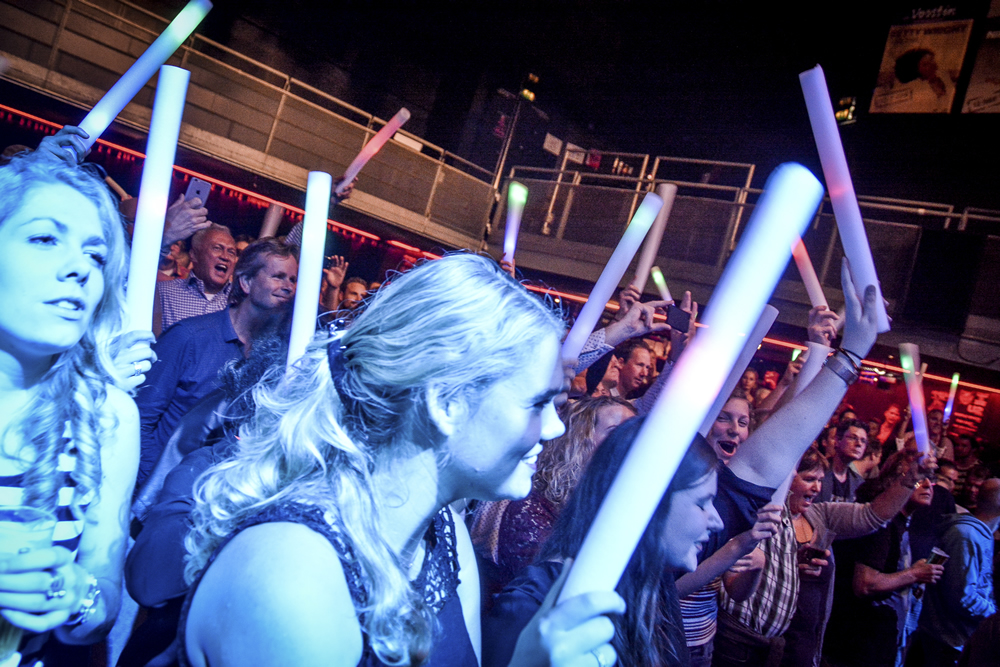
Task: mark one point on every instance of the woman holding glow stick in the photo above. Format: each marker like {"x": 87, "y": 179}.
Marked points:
{"x": 336, "y": 503}
{"x": 69, "y": 440}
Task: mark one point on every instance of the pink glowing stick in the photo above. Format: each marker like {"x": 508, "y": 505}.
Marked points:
{"x": 371, "y": 148}
{"x": 667, "y": 192}
{"x": 611, "y": 276}
{"x": 789, "y": 201}
{"x": 517, "y": 197}
{"x": 909, "y": 359}
{"x": 310, "y": 263}
{"x": 143, "y": 69}
{"x": 838, "y": 181}
{"x": 272, "y": 219}
{"x": 154, "y": 193}
{"x": 808, "y": 273}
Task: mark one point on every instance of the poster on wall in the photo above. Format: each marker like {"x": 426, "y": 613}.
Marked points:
{"x": 983, "y": 95}
{"x": 976, "y": 410}
{"x": 920, "y": 66}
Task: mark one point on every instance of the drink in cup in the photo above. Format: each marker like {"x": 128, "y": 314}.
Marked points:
{"x": 22, "y": 529}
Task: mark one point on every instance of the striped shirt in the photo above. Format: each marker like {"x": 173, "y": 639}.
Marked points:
{"x": 183, "y": 298}
{"x": 68, "y": 528}
{"x": 770, "y": 609}
{"x": 700, "y": 612}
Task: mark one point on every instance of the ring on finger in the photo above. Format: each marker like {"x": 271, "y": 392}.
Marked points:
{"x": 57, "y": 587}
{"x": 138, "y": 369}
{"x": 601, "y": 662}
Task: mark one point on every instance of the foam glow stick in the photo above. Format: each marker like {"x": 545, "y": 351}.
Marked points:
{"x": 667, "y": 192}
{"x": 154, "y": 193}
{"x": 373, "y": 147}
{"x": 909, "y": 359}
{"x": 812, "y": 366}
{"x": 310, "y": 263}
{"x": 142, "y": 70}
{"x": 750, "y": 345}
{"x": 789, "y": 201}
{"x": 272, "y": 218}
{"x": 611, "y": 276}
{"x": 838, "y": 181}
{"x": 808, "y": 273}
{"x": 517, "y": 197}
{"x": 661, "y": 283}
{"x": 951, "y": 398}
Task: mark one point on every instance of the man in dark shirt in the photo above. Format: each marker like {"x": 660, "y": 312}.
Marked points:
{"x": 192, "y": 352}
{"x": 841, "y": 481}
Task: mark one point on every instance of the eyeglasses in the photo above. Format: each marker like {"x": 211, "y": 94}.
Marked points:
{"x": 850, "y": 437}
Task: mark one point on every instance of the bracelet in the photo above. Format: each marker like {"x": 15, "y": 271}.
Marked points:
{"x": 88, "y": 605}
{"x": 854, "y": 358}
{"x": 842, "y": 370}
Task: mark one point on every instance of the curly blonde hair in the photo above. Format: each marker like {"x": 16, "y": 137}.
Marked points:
{"x": 458, "y": 322}
{"x": 563, "y": 460}
{"x": 71, "y": 394}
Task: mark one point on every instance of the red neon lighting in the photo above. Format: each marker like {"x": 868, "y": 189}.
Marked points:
{"x": 403, "y": 246}
{"x": 204, "y": 177}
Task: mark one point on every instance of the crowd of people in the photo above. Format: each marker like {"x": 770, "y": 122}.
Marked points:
{"x": 415, "y": 488}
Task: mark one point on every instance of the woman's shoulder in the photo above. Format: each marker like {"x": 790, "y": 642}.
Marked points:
{"x": 119, "y": 406}
{"x": 278, "y": 593}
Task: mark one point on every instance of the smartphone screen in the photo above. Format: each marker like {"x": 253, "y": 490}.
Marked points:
{"x": 678, "y": 319}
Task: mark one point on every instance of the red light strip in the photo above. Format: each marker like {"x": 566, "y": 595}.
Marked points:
{"x": 196, "y": 174}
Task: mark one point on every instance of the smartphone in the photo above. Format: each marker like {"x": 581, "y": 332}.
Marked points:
{"x": 678, "y": 319}
{"x": 198, "y": 188}
{"x": 938, "y": 557}
{"x": 808, "y": 553}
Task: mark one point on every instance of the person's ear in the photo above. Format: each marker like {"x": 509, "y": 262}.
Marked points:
{"x": 245, "y": 283}
{"x": 446, "y": 410}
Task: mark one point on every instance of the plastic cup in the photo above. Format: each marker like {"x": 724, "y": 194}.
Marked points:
{"x": 22, "y": 529}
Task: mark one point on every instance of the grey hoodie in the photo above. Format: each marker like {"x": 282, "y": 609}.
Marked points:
{"x": 963, "y": 597}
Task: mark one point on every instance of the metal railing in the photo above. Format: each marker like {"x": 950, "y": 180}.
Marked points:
{"x": 240, "y": 99}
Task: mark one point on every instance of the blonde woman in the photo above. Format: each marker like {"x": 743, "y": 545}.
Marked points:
{"x": 68, "y": 437}
{"x": 328, "y": 540}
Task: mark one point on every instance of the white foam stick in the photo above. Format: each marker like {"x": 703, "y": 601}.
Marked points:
{"x": 310, "y": 263}
{"x": 909, "y": 359}
{"x": 661, "y": 283}
{"x": 611, "y": 276}
{"x": 789, "y": 201}
{"x": 373, "y": 147}
{"x": 838, "y": 181}
{"x": 752, "y": 342}
{"x": 142, "y": 70}
{"x": 667, "y": 192}
{"x": 272, "y": 218}
{"x": 808, "y": 273}
{"x": 815, "y": 359}
{"x": 517, "y": 197}
{"x": 154, "y": 193}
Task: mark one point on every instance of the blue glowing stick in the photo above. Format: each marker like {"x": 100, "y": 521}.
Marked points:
{"x": 951, "y": 398}
{"x": 786, "y": 207}
{"x": 154, "y": 193}
{"x": 310, "y": 263}
{"x": 909, "y": 359}
{"x": 143, "y": 69}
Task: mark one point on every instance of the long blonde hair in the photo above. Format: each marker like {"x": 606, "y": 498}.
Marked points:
{"x": 71, "y": 394}
{"x": 317, "y": 436}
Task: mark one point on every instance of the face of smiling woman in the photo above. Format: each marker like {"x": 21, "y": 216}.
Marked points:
{"x": 494, "y": 453}
{"x": 51, "y": 276}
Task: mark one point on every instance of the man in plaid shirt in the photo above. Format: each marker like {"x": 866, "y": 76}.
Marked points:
{"x": 206, "y": 290}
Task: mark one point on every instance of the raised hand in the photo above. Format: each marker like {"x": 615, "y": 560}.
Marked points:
{"x": 66, "y": 144}
{"x": 184, "y": 218}
{"x": 822, "y": 326}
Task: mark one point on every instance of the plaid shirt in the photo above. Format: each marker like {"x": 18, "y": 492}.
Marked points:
{"x": 183, "y": 298}
{"x": 769, "y": 610}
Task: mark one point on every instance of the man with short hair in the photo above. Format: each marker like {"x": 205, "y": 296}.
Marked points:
{"x": 354, "y": 292}
{"x": 192, "y": 352}
{"x": 841, "y": 482}
{"x": 206, "y": 289}
{"x": 635, "y": 365}
{"x": 964, "y": 596}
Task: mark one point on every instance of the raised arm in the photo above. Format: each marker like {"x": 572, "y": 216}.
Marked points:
{"x": 774, "y": 449}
